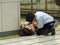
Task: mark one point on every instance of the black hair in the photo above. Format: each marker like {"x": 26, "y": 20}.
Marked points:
{"x": 29, "y": 17}
{"x": 26, "y": 32}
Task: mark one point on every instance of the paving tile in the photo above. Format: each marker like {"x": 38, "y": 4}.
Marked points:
{"x": 34, "y": 40}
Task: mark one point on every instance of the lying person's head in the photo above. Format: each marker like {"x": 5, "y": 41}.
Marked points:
{"x": 26, "y": 31}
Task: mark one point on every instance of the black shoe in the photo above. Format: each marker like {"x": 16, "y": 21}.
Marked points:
{"x": 53, "y": 31}
{"x": 46, "y": 34}
{"x": 53, "y": 34}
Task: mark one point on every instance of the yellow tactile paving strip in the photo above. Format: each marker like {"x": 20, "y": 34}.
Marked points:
{"x": 9, "y": 37}
{"x": 58, "y": 26}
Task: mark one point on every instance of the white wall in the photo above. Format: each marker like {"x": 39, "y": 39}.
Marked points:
{"x": 10, "y": 15}
{"x": 0, "y": 18}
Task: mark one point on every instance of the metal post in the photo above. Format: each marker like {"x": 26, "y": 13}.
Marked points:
{"x": 46, "y": 5}
{"x": 31, "y": 5}
{"x": 38, "y": 4}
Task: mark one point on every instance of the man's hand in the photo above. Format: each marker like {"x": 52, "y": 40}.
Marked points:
{"x": 34, "y": 23}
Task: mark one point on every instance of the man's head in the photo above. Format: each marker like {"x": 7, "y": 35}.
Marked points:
{"x": 29, "y": 17}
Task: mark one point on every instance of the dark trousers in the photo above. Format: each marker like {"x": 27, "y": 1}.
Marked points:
{"x": 47, "y": 28}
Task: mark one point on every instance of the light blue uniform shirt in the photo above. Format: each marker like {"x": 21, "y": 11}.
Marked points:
{"x": 43, "y": 18}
